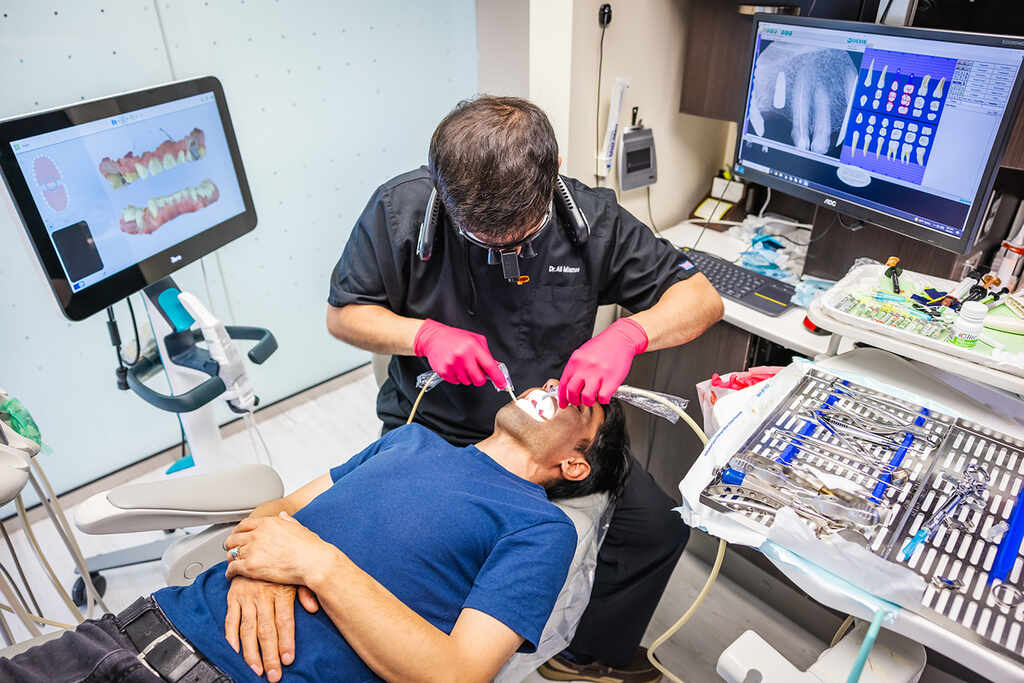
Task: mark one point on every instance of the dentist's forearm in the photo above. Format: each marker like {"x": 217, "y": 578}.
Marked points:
{"x": 374, "y": 328}
{"x": 683, "y": 312}
{"x": 394, "y": 641}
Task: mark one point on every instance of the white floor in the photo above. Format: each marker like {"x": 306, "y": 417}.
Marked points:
{"x": 321, "y": 428}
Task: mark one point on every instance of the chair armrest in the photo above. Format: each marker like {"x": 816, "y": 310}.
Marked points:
{"x": 175, "y": 503}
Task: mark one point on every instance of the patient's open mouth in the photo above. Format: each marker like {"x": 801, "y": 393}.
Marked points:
{"x": 539, "y": 405}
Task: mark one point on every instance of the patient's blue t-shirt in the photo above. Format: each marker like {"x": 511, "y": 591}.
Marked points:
{"x": 441, "y": 527}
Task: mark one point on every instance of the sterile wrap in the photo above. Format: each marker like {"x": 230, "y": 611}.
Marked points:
{"x": 650, "y": 405}
{"x": 820, "y": 559}
{"x": 428, "y": 379}
{"x": 591, "y": 515}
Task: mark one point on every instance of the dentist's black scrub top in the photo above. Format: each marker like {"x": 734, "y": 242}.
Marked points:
{"x": 532, "y": 328}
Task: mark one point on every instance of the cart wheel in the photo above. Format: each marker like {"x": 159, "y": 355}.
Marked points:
{"x": 78, "y": 593}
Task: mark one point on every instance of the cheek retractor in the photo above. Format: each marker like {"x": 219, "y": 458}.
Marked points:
{"x": 538, "y": 404}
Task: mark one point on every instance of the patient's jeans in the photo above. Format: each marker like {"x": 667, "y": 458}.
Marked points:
{"x": 96, "y": 651}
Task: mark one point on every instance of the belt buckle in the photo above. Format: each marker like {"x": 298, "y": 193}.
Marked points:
{"x": 170, "y": 633}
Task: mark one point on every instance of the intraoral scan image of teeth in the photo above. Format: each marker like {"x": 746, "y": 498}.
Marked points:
{"x": 159, "y": 210}
{"x": 802, "y": 95}
{"x": 170, "y": 153}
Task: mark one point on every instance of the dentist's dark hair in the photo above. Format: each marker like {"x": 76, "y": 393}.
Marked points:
{"x": 609, "y": 457}
{"x": 494, "y": 161}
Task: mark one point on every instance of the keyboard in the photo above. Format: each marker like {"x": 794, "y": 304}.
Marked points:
{"x": 760, "y": 292}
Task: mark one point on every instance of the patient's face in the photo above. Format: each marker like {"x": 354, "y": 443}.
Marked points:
{"x": 553, "y": 437}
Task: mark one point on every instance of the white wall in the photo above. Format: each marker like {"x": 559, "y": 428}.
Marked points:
{"x": 645, "y": 42}
{"x": 551, "y": 51}
{"x": 503, "y": 37}
{"x": 328, "y": 100}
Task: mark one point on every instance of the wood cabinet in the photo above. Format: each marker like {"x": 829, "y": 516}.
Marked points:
{"x": 718, "y": 36}
{"x": 668, "y": 450}
{"x": 717, "y": 39}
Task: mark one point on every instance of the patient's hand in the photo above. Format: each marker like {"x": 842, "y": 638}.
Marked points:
{"x": 260, "y": 618}
{"x": 278, "y": 549}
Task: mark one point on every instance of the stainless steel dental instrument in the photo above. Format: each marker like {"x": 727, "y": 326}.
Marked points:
{"x": 971, "y": 489}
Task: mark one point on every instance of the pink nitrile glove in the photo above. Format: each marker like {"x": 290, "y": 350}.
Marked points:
{"x": 457, "y": 356}
{"x": 596, "y": 370}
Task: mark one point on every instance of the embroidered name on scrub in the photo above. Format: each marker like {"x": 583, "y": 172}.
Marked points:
{"x": 563, "y": 269}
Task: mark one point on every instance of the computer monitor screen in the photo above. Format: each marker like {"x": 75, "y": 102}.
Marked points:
{"x": 119, "y": 192}
{"x": 901, "y": 127}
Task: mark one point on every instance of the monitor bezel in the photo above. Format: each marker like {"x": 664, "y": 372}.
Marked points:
{"x": 89, "y": 300}
{"x": 975, "y": 216}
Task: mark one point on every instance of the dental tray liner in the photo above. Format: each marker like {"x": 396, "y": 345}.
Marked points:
{"x": 837, "y": 570}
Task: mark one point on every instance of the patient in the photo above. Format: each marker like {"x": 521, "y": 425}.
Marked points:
{"x": 415, "y": 559}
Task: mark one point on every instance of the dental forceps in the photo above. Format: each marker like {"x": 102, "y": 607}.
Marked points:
{"x": 841, "y": 430}
{"x": 840, "y": 451}
{"x": 789, "y": 476}
{"x": 872, "y": 401}
{"x": 833, "y": 511}
{"x": 754, "y": 496}
{"x": 834, "y": 454}
{"x": 880, "y": 428}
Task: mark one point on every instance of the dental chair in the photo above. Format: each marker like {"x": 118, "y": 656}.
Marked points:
{"x": 20, "y": 443}
{"x": 217, "y": 498}
{"x": 591, "y": 516}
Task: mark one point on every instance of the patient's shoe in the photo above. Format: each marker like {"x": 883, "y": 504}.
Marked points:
{"x": 565, "y": 667}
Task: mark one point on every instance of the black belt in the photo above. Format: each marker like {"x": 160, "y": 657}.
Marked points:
{"x": 162, "y": 649}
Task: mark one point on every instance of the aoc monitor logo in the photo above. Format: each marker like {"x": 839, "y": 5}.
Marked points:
{"x": 830, "y": 202}
{"x": 176, "y": 259}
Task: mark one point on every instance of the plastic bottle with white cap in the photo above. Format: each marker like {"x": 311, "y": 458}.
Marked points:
{"x": 969, "y": 325}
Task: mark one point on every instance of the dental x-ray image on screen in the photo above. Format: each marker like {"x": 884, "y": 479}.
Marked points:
{"x": 902, "y": 127}
{"x": 802, "y": 94}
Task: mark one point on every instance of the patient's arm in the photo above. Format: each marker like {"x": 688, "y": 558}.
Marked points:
{"x": 399, "y": 644}
{"x": 393, "y": 640}
{"x": 295, "y": 500}
{"x": 260, "y": 620}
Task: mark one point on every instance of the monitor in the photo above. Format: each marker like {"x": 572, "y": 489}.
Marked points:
{"x": 897, "y": 126}
{"x": 119, "y": 192}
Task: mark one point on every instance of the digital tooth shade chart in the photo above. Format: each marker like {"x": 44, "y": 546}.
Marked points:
{"x": 897, "y": 106}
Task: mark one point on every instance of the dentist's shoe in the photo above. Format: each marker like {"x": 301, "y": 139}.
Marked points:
{"x": 564, "y": 667}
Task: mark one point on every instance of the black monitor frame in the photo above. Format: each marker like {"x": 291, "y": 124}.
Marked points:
{"x": 976, "y": 215}
{"x": 87, "y": 301}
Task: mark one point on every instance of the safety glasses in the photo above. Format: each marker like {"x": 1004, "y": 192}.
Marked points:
{"x": 509, "y": 253}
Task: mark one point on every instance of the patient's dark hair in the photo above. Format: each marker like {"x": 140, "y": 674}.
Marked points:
{"x": 494, "y": 162}
{"x": 609, "y": 457}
